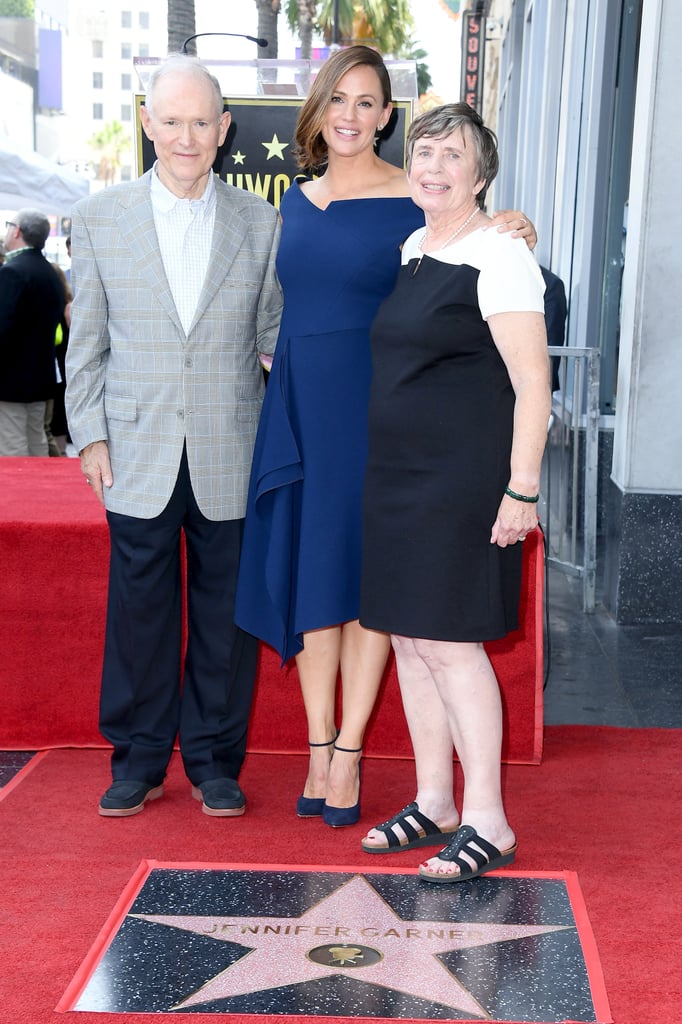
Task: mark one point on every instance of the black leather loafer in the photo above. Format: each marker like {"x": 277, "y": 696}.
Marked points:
{"x": 126, "y": 797}
{"x": 221, "y": 798}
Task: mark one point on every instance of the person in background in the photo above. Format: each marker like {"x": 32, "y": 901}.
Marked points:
{"x": 67, "y": 272}
{"x": 299, "y": 583}
{"x": 57, "y": 426}
{"x": 175, "y": 297}
{"x": 31, "y": 304}
{"x": 3, "y": 253}
{"x": 556, "y": 311}
{"x": 457, "y": 426}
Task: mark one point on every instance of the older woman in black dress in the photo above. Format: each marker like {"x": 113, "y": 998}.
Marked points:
{"x": 457, "y": 424}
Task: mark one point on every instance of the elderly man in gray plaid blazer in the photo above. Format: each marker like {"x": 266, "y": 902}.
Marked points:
{"x": 177, "y": 299}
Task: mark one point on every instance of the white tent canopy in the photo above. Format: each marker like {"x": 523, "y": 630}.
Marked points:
{"x": 28, "y": 179}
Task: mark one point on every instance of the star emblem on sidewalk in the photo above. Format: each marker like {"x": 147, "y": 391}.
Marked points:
{"x": 351, "y": 930}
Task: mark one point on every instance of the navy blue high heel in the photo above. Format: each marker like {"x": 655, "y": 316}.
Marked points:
{"x": 309, "y": 806}
{"x": 312, "y": 806}
{"x": 337, "y": 817}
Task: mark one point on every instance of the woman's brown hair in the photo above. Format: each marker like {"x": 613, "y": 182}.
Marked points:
{"x": 310, "y": 148}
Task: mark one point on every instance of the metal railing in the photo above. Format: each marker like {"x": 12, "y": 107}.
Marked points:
{"x": 570, "y": 469}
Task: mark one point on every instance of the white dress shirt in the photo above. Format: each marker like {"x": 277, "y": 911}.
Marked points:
{"x": 185, "y": 232}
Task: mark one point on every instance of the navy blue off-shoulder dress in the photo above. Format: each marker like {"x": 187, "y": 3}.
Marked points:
{"x": 300, "y": 566}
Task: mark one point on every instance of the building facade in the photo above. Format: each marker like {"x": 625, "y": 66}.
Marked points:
{"x": 99, "y": 79}
{"x": 582, "y": 96}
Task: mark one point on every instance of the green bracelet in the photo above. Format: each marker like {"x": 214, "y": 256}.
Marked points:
{"x": 530, "y": 499}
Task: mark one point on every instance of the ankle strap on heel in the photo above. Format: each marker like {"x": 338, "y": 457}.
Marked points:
{"x": 348, "y": 750}
{"x": 329, "y": 743}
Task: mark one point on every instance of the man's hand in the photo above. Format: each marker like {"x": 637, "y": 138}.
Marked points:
{"x": 518, "y": 223}
{"x": 97, "y": 468}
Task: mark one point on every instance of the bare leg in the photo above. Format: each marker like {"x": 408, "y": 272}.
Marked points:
{"x": 318, "y": 668}
{"x": 470, "y": 696}
{"x": 363, "y": 660}
{"x": 431, "y": 741}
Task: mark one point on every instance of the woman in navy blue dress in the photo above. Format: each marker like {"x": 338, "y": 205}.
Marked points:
{"x": 300, "y": 571}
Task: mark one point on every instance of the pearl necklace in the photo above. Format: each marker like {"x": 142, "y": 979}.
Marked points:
{"x": 447, "y": 241}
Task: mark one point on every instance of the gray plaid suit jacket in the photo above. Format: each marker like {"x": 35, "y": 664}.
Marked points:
{"x": 137, "y": 381}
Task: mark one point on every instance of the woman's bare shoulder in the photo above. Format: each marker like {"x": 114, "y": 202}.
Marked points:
{"x": 396, "y": 181}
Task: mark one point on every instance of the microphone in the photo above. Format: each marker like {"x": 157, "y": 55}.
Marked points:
{"x": 237, "y": 35}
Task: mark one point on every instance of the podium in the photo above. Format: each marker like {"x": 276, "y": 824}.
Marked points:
{"x": 54, "y": 552}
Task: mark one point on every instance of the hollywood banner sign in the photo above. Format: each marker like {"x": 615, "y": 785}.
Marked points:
{"x": 473, "y": 54}
{"x": 257, "y": 153}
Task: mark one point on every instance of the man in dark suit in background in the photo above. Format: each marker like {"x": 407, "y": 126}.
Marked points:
{"x": 31, "y": 304}
{"x": 556, "y": 310}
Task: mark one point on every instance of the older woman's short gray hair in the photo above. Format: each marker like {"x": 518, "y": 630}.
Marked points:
{"x": 443, "y": 121}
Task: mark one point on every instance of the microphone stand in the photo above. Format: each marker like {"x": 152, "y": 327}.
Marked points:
{"x": 237, "y": 35}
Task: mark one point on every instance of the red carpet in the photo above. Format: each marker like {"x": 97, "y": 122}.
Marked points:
{"x": 54, "y": 553}
{"x": 604, "y": 803}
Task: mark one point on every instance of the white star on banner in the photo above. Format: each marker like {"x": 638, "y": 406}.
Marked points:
{"x": 275, "y": 148}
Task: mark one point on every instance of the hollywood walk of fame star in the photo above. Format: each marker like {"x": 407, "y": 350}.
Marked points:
{"x": 399, "y": 955}
{"x": 238, "y": 157}
{"x": 275, "y": 148}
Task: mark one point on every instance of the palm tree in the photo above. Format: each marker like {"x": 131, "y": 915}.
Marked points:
{"x": 412, "y": 52}
{"x": 17, "y": 8}
{"x": 384, "y": 24}
{"x": 109, "y": 144}
{"x": 301, "y": 17}
{"x": 268, "y": 12}
{"x": 181, "y": 25}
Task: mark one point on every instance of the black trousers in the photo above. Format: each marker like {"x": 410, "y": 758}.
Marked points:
{"x": 148, "y": 697}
